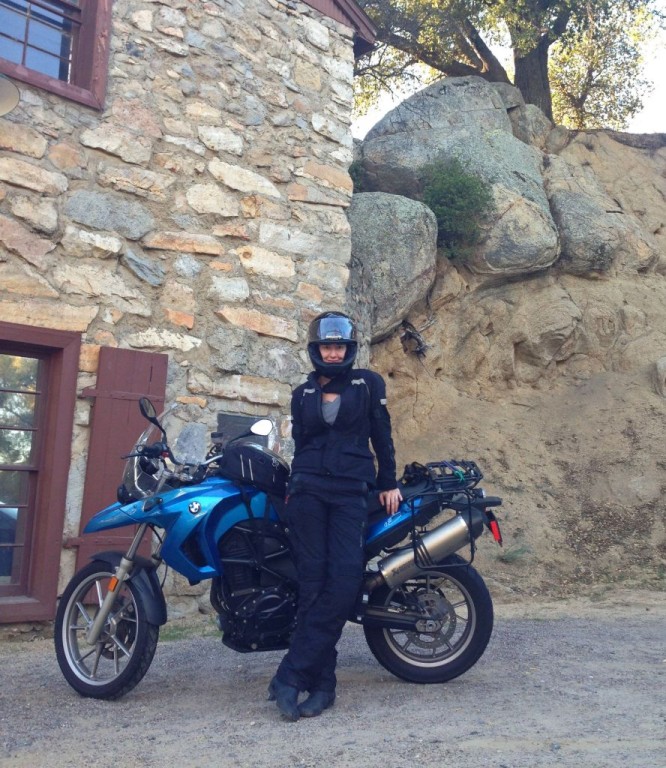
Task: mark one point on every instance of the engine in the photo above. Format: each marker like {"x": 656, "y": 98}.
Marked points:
{"x": 257, "y": 596}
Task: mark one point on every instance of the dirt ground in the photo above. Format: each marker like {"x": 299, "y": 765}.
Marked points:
{"x": 575, "y": 683}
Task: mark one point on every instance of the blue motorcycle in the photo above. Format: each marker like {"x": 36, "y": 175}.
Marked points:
{"x": 426, "y": 612}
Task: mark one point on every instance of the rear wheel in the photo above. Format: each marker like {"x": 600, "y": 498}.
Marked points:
{"x": 458, "y": 621}
{"x": 122, "y": 655}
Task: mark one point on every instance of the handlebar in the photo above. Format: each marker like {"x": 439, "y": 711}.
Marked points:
{"x": 154, "y": 451}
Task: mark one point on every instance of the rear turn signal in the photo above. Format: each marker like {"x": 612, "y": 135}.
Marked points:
{"x": 493, "y": 525}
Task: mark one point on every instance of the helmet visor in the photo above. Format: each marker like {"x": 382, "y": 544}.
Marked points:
{"x": 332, "y": 330}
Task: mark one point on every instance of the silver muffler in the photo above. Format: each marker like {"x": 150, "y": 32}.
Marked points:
{"x": 431, "y": 548}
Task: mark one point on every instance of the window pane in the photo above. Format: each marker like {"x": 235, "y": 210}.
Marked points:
{"x": 43, "y": 62}
{"x": 46, "y": 35}
{"x": 13, "y": 491}
{"x": 10, "y": 50}
{"x": 15, "y": 446}
{"x": 13, "y": 488}
{"x": 13, "y": 23}
{"x": 17, "y": 409}
{"x": 8, "y": 524}
{"x": 10, "y": 559}
{"x": 18, "y": 373}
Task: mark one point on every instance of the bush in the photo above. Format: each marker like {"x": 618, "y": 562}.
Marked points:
{"x": 356, "y": 173}
{"x": 459, "y": 200}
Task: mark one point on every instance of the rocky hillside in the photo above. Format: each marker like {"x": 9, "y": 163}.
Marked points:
{"x": 546, "y": 345}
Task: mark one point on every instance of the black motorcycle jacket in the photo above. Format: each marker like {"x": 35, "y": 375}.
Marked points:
{"x": 341, "y": 449}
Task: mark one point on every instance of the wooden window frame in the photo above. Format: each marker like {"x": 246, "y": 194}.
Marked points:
{"x": 90, "y": 64}
{"x": 61, "y": 350}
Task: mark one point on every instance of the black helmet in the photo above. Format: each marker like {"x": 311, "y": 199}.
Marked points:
{"x": 332, "y": 328}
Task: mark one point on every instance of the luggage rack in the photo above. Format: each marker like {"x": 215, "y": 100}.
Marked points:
{"x": 454, "y": 476}
{"x": 450, "y": 478}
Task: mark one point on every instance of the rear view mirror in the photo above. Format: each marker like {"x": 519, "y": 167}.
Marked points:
{"x": 147, "y": 410}
{"x": 262, "y": 427}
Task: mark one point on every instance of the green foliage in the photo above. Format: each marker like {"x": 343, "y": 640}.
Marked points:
{"x": 386, "y": 71}
{"x": 460, "y": 202}
{"x": 595, "y": 70}
{"x": 459, "y": 37}
{"x": 356, "y": 174}
{"x": 514, "y": 554}
{"x": 419, "y": 40}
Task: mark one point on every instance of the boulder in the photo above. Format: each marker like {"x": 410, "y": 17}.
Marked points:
{"x": 615, "y": 239}
{"x": 631, "y": 177}
{"x": 466, "y": 118}
{"x": 521, "y": 238}
{"x": 394, "y": 250}
{"x": 514, "y": 332}
{"x": 455, "y": 102}
{"x": 531, "y": 125}
{"x": 511, "y": 96}
{"x": 448, "y": 119}
{"x": 528, "y": 122}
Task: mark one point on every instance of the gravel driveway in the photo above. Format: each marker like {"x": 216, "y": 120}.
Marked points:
{"x": 567, "y": 684}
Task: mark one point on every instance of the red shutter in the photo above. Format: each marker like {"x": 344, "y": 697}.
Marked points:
{"x": 123, "y": 377}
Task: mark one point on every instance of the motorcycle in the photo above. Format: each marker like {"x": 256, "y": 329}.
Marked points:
{"x": 426, "y": 613}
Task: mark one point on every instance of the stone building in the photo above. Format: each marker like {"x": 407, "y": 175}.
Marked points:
{"x": 173, "y": 186}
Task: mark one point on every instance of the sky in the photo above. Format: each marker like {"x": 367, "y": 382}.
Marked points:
{"x": 651, "y": 119}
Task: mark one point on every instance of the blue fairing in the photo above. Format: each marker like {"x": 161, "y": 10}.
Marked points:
{"x": 114, "y": 516}
{"x": 194, "y": 519}
{"x": 387, "y": 524}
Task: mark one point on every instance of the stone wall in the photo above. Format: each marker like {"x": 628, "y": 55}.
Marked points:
{"x": 201, "y": 214}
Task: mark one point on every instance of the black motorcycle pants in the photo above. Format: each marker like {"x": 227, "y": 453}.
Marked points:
{"x": 327, "y": 518}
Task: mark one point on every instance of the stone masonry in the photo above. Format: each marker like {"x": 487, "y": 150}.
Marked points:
{"x": 201, "y": 214}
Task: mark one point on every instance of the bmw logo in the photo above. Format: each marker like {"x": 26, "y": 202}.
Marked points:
{"x": 194, "y": 508}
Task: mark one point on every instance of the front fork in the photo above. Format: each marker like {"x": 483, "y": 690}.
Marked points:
{"x": 120, "y": 576}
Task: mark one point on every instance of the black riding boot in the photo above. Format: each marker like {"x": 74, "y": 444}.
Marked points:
{"x": 316, "y": 703}
{"x": 286, "y": 698}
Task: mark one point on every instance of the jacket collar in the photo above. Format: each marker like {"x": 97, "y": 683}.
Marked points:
{"x": 335, "y": 385}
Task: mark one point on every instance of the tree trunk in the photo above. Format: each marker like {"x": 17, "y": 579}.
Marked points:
{"x": 532, "y": 77}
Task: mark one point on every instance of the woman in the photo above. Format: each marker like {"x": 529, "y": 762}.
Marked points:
{"x": 334, "y": 415}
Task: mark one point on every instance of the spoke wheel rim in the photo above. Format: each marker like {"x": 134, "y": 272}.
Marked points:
{"x": 109, "y": 657}
{"x": 448, "y": 608}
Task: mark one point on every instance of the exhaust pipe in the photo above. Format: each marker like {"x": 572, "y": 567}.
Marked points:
{"x": 431, "y": 549}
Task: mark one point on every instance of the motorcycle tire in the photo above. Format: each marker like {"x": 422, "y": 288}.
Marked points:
{"x": 122, "y": 655}
{"x": 458, "y": 622}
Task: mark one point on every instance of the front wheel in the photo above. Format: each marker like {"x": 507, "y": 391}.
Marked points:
{"x": 121, "y": 656}
{"x": 458, "y": 622}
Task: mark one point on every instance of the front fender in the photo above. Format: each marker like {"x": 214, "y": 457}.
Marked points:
{"x": 144, "y": 578}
